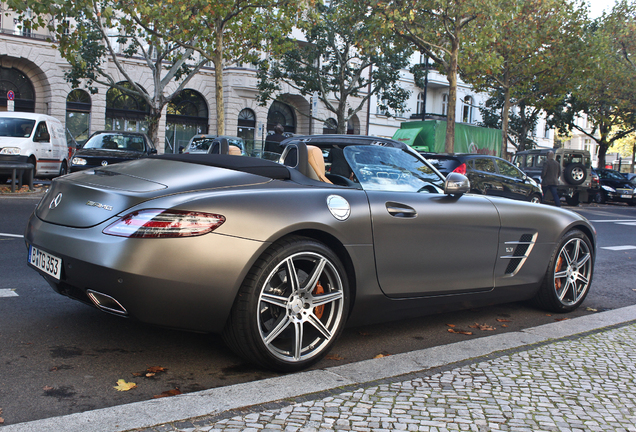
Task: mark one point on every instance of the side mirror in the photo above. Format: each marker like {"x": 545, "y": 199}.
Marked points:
{"x": 456, "y": 184}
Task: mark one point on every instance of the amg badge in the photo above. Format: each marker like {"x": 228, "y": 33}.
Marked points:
{"x": 99, "y": 205}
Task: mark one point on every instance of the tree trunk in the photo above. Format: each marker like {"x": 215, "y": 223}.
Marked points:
{"x": 449, "y": 145}
{"x": 218, "y": 84}
{"x": 504, "y": 124}
{"x": 153, "y": 128}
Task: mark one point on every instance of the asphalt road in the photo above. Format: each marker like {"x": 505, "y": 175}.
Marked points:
{"x": 58, "y": 356}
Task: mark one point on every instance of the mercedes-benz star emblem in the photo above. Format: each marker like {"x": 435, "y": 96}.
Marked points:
{"x": 104, "y": 163}
{"x": 55, "y": 202}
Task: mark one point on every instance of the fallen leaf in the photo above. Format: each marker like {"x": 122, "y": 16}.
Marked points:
{"x": 450, "y": 330}
{"x": 334, "y": 357}
{"x": 548, "y": 314}
{"x": 484, "y": 327}
{"x": 561, "y": 319}
{"x": 150, "y": 375}
{"x": 451, "y": 325}
{"x": 361, "y": 333}
{"x": 168, "y": 393}
{"x": 503, "y": 320}
{"x": 122, "y": 385}
{"x": 382, "y": 355}
{"x": 156, "y": 369}
{"x": 47, "y": 388}
{"x": 589, "y": 309}
{"x": 503, "y": 325}
{"x": 137, "y": 374}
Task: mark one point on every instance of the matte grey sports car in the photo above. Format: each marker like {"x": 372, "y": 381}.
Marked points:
{"x": 279, "y": 256}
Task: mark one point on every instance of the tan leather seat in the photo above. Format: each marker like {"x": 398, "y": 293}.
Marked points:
{"x": 234, "y": 150}
{"x": 317, "y": 163}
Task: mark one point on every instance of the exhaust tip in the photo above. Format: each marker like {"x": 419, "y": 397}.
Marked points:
{"x": 106, "y": 303}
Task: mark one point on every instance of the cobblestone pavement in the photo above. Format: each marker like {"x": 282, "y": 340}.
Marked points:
{"x": 582, "y": 384}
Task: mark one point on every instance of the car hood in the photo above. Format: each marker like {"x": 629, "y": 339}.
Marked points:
{"x": 109, "y": 154}
{"x": 90, "y": 197}
{"x": 616, "y": 184}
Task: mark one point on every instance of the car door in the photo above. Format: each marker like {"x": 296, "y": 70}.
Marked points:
{"x": 433, "y": 244}
{"x": 513, "y": 181}
{"x": 426, "y": 243}
{"x": 47, "y": 163}
{"x": 485, "y": 177}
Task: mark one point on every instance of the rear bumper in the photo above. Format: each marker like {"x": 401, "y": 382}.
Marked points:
{"x": 187, "y": 283}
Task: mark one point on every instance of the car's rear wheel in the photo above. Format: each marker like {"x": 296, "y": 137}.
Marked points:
{"x": 292, "y": 306}
{"x": 599, "y": 198}
{"x": 569, "y": 275}
{"x": 573, "y": 200}
{"x": 63, "y": 169}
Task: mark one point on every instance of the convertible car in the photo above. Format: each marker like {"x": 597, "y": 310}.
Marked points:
{"x": 279, "y": 256}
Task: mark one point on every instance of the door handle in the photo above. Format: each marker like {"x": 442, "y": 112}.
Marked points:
{"x": 400, "y": 210}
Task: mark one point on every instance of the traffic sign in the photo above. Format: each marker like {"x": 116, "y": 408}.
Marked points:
{"x": 10, "y": 95}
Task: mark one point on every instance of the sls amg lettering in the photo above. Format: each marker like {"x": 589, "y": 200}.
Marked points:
{"x": 99, "y": 205}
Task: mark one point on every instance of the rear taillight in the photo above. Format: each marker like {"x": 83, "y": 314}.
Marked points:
{"x": 155, "y": 223}
{"x": 461, "y": 169}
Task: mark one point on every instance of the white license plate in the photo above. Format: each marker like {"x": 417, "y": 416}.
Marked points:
{"x": 43, "y": 261}
{"x": 626, "y": 196}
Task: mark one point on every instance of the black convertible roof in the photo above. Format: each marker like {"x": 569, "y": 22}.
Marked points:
{"x": 261, "y": 167}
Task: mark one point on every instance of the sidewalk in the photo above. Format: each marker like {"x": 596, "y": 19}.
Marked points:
{"x": 574, "y": 375}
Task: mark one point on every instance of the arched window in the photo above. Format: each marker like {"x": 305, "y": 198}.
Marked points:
{"x": 125, "y": 111}
{"x": 186, "y": 116}
{"x": 468, "y": 110}
{"x": 445, "y": 104}
{"x": 78, "y": 117}
{"x": 283, "y": 114}
{"x": 330, "y": 126}
{"x": 14, "y": 80}
{"x": 420, "y": 103}
{"x": 246, "y": 126}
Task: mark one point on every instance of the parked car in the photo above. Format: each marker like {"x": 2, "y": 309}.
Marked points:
{"x": 614, "y": 187}
{"x": 278, "y": 257}
{"x": 489, "y": 175}
{"x": 37, "y": 138}
{"x": 576, "y": 171}
{"x": 204, "y": 143}
{"x": 105, "y": 148}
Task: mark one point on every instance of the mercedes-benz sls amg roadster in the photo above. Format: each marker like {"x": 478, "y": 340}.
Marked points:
{"x": 278, "y": 256}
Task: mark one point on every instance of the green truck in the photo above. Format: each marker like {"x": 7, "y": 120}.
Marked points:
{"x": 430, "y": 135}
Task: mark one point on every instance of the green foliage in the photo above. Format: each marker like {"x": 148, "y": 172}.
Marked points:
{"x": 521, "y": 122}
{"x": 605, "y": 91}
{"x": 343, "y": 56}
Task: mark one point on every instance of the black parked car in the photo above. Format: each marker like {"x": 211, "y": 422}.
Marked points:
{"x": 108, "y": 147}
{"x": 488, "y": 175}
{"x": 614, "y": 187}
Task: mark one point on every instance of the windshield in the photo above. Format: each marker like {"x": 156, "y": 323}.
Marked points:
{"x": 16, "y": 127}
{"x": 115, "y": 141}
{"x": 391, "y": 169}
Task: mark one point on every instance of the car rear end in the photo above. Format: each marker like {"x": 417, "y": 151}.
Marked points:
{"x": 446, "y": 163}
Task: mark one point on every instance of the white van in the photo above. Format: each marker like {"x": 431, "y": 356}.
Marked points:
{"x": 39, "y": 137}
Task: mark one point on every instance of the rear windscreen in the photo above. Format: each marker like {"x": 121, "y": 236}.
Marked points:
{"x": 443, "y": 165}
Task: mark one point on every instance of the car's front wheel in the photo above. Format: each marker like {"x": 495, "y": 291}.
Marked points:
{"x": 292, "y": 306}
{"x": 569, "y": 274}
{"x": 535, "y": 199}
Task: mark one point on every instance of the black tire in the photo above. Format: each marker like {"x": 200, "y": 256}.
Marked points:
{"x": 535, "y": 198}
{"x": 572, "y": 200}
{"x": 575, "y": 173}
{"x": 599, "y": 197}
{"x": 63, "y": 169}
{"x": 288, "y": 324}
{"x": 569, "y": 274}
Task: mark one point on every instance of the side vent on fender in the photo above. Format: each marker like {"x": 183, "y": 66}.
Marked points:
{"x": 521, "y": 252}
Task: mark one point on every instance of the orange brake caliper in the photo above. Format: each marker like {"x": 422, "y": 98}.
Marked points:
{"x": 319, "y": 310}
{"x": 557, "y": 282}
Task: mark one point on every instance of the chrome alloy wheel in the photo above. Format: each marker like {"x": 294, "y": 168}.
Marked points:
{"x": 572, "y": 271}
{"x": 578, "y": 174}
{"x": 300, "y": 307}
